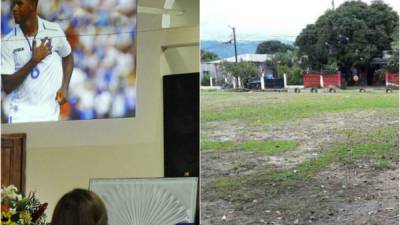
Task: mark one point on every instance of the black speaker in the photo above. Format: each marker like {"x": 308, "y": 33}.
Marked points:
{"x": 181, "y": 125}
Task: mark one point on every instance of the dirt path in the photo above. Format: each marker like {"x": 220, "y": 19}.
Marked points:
{"x": 368, "y": 196}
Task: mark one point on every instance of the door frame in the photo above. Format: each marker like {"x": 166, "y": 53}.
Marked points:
{"x": 12, "y": 140}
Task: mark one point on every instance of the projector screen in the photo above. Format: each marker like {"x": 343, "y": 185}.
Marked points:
{"x": 100, "y": 35}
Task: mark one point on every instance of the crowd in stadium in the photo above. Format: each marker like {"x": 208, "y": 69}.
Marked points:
{"x": 102, "y": 34}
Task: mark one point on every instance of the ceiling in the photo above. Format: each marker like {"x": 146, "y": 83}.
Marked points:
{"x": 161, "y": 14}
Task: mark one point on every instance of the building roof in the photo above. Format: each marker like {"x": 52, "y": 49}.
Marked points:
{"x": 246, "y": 58}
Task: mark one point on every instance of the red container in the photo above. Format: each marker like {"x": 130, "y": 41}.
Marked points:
{"x": 332, "y": 80}
{"x": 312, "y": 80}
{"x": 392, "y": 78}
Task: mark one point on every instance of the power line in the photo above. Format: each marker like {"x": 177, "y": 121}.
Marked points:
{"x": 264, "y": 35}
{"x": 81, "y": 35}
{"x": 101, "y": 34}
{"x": 214, "y": 46}
{"x": 96, "y": 34}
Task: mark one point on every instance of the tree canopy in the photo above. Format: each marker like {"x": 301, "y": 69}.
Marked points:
{"x": 207, "y": 56}
{"x": 287, "y": 63}
{"x": 272, "y": 47}
{"x": 350, "y": 36}
{"x": 244, "y": 70}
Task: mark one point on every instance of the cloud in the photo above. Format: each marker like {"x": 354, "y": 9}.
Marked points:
{"x": 260, "y": 19}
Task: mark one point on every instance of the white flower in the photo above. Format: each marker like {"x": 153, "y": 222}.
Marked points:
{"x": 9, "y": 192}
{"x": 11, "y": 188}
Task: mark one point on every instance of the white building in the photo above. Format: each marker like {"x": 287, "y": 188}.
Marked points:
{"x": 212, "y": 68}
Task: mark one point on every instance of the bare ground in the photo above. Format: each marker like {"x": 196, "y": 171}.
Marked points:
{"x": 357, "y": 194}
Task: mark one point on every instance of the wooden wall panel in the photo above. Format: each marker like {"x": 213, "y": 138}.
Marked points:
{"x": 13, "y": 160}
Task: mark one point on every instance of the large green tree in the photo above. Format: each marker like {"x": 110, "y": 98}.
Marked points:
{"x": 287, "y": 63}
{"x": 244, "y": 70}
{"x": 350, "y": 36}
{"x": 393, "y": 63}
{"x": 272, "y": 47}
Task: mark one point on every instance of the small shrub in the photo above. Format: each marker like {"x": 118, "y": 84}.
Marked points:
{"x": 206, "y": 80}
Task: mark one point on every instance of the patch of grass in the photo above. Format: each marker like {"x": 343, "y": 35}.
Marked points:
{"x": 226, "y": 183}
{"x": 217, "y": 145}
{"x": 268, "y": 108}
{"x": 382, "y": 149}
{"x": 344, "y": 153}
{"x": 211, "y": 90}
{"x": 383, "y": 135}
{"x": 381, "y": 164}
{"x": 270, "y": 147}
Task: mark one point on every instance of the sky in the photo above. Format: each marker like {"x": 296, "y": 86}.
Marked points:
{"x": 263, "y": 19}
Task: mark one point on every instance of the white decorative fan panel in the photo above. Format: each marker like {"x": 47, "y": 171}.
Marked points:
{"x": 153, "y": 201}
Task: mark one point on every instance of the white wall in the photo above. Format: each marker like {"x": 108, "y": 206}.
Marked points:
{"x": 65, "y": 155}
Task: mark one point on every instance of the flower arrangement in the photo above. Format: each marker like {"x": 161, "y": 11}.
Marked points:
{"x": 17, "y": 209}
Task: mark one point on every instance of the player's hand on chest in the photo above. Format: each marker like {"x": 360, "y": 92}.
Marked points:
{"x": 42, "y": 50}
{"x": 39, "y": 50}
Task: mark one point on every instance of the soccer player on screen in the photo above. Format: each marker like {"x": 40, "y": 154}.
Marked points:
{"x": 36, "y": 66}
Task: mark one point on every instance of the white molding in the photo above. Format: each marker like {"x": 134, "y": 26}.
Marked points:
{"x": 160, "y": 11}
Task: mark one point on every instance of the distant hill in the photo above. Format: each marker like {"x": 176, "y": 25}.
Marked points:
{"x": 228, "y": 50}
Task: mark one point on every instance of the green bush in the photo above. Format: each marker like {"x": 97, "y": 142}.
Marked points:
{"x": 295, "y": 76}
{"x": 393, "y": 64}
{"x": 331, "y": 68}
{"x": 244, "y": 70}
{"x": 220, "y": 81}
{"x": 206, "y": 80}
{"x": 281, "y": 69}
{"x": 379, "y": 76}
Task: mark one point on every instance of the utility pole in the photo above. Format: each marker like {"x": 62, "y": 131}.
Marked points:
{"x": 234, "y": 43}
{"x": 333, "y": 4}
{"x": 236, "y": 58}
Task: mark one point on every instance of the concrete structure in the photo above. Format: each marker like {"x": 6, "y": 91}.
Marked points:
{"x": 212, "y": 68}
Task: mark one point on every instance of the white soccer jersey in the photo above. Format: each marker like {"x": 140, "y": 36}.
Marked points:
{"x": 34, "y": 99}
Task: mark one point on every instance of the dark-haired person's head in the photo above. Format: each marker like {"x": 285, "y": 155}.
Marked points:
{"x": 24, "y": 10}
{"x": 80, "y": 207}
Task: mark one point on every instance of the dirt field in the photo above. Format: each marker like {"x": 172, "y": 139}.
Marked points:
{"x": 247, "y": 187}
